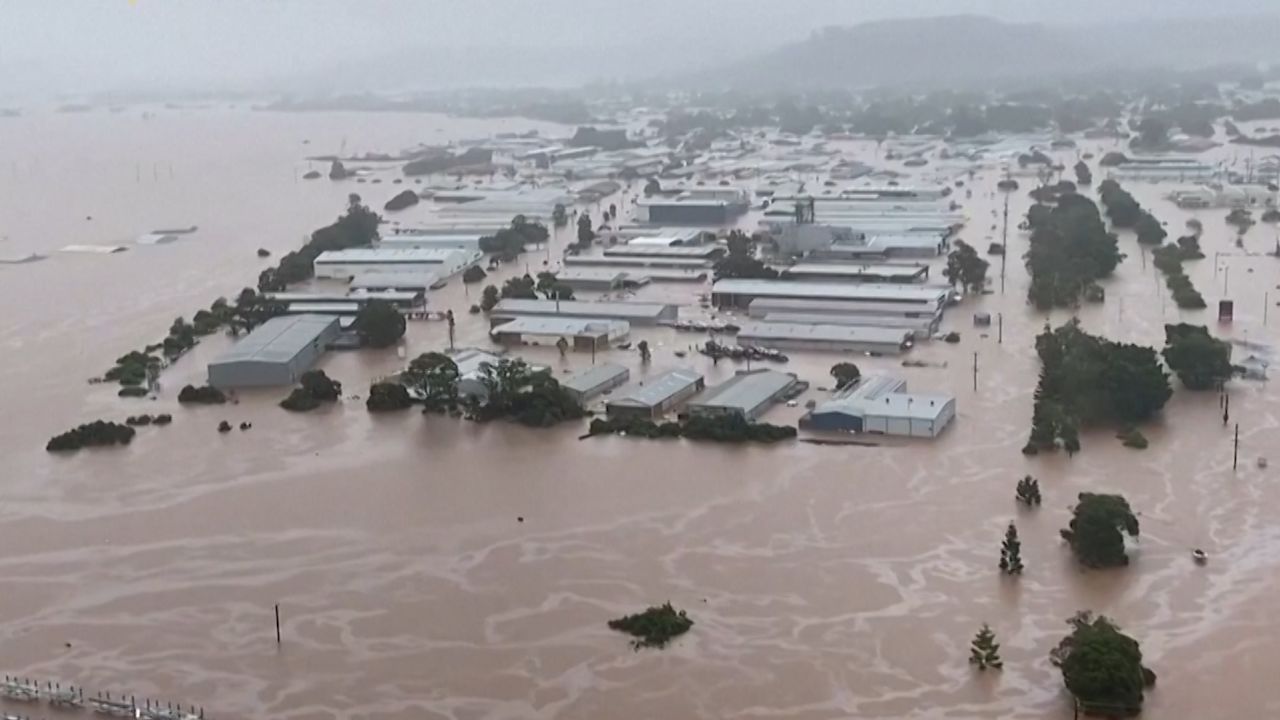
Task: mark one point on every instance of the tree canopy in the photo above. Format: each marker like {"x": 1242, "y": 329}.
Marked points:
{"x": 1070, "y": 249}
{"x": 845, "y": 373}
{"x": 1096, "y": 533}
{"x": 741, "y": 261}
{"x": 379, "y": 324}
{"x": 1201, "y": 361}
{"x": 435, "y": 376}
{"x": 1086, "y": 380}
{"x": 1102, "y": 667}
{"x": 966, "y": 268}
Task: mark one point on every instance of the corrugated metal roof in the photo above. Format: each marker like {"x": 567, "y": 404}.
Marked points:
{"x": 832, "y": 291}
{"x": 279, "y": 339}
{"x": 884, "y": 395}
{"x": 581, "y": 309}
{"x": 747, "y": 390}
{"x": 593, "y": 377}
{"x": 390, "y": 255}
{"x": 560, "y": 325}
{"x": 765, "y": 331}
{"x": 659, "y": 389}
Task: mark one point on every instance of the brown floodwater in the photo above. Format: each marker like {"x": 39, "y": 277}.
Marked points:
{"x": 824, "y": 582}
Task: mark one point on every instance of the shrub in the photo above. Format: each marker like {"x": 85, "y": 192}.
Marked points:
{"x": 205, "y": 395}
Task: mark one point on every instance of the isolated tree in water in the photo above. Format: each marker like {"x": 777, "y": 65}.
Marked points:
{"x": 643, "y": 347}
{"x": 1011, "y": 552}
{"x": 1028, "y": 492}
{"x": 985, "y": 651}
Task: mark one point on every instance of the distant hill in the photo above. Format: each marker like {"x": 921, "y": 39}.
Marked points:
{"x": 975, "y": 51}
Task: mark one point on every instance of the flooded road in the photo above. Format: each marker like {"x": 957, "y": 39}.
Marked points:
{"x": 824, "y": 582}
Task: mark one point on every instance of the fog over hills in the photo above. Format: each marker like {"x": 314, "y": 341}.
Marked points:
{"x": 974, "y": 51}
{"x": 86, "y": 47}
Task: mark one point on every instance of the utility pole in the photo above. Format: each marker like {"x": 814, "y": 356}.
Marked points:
{"x": 1235, "y": 450}
{"x": 975, "y": 372}
{"x": 999, "y": 328}
{"x": 1004, "y": 241}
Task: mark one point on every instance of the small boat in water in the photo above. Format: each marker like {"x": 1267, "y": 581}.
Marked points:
{"x": 1200, "y": 556}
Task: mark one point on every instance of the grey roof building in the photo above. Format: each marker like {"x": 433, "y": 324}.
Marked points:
{"x": 741, "y": 292}
{"x": 852, "y": 338}
{"x": 277, "y": 352}
{"x": 881, "y": 404}
{"x": 746, "y": 395}
{"x": 583, "y": 333}
{"x": 593, "y": 381}
{"x": 632, "y": 312}
{"x": 654, "y": 398}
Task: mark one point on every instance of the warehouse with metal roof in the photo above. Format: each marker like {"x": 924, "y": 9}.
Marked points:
{"x": 277, "y": 352}
{"x": 746, "y": 395}
{"x": 596, "y": 380}
{"x": 656, "y": 397}
{"x": 842, "y": 338}
{"x": 881, "y": 404}
{"x": 740, "y": 293}
{"x": 858, "y": 272}
{"x": 581, "y": 333}
{"x": 634, "y": 313}
{"x": 357, "y": 261}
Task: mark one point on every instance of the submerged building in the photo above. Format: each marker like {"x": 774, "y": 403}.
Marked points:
{"x": 277, "y": 352}
{"x": 581, "y": 333}
{"x": 880, "y": 404}
{"x": 597, "y": 380}
{"x": 746, "y": 395}
{"x": 652, "y": 399}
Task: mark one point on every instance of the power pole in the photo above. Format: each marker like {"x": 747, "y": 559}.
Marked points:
{"x": 1004, "y": 241}
{"x": 1235, "y": 451}
{"x": 999, "y": 328}
{"x": 975, "y": 372}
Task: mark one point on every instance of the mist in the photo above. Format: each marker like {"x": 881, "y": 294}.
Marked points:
{"x": 89, "y": 47}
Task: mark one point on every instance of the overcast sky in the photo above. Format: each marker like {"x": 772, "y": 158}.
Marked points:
{"x": 81, "y": 46}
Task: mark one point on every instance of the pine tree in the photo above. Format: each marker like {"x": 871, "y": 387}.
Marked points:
{"x": 1011, "y": 552}
{"x": 1028, "y": 492}
{"x": 985, "y": 652}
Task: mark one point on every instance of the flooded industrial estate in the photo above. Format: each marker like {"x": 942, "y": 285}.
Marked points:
{"x": 427, "y": 567}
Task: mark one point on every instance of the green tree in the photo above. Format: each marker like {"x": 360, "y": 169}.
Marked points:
{"x": 586, "y": 234}
{"x": 741, "y": 262}
{"x": 1028, "y": 491}
{"x": 488, "y": 298}
{"x": 1201, "y": 361}
{"x": 379, "y": 324}
{"x": 320, "y": 386}
{"x": 1149, "y": 230}
{"x": 1096, "y": 532}
{"x": 435, "y": 376}
{"x": 521, "y": 287}
{"x": 1011, "y": 552}
{"x": 388, "y": 397}
{"x": 559, "y": 217}
{"x": 643, "y": 348}
{"x": 1153, "y": 132}
{"x": 966, "y": 268}
{"x": 474, "y": 274}
{"x": 845, "y": 373}
{"x": 1102, "y": 667}
{"x": 985, "y": 651}
{"x": 1083, "y": 175}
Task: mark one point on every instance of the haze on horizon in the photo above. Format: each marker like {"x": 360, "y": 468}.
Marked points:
{"x": 85, "y": 47}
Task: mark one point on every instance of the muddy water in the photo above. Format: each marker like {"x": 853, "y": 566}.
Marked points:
{"x": 824, "y": 582}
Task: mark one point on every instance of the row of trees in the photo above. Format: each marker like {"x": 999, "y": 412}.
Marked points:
{"x": 1125, "y": 212}
{"x": 1168, "y": 259}
{"x": 96, "y": 433}
{"x": 357, "y": 227}
{"x": 1070, "y": 249}
{"x": 728, "y": 429}
{"x": 509, "y": 242}
{"x": 1087, "y": 380}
